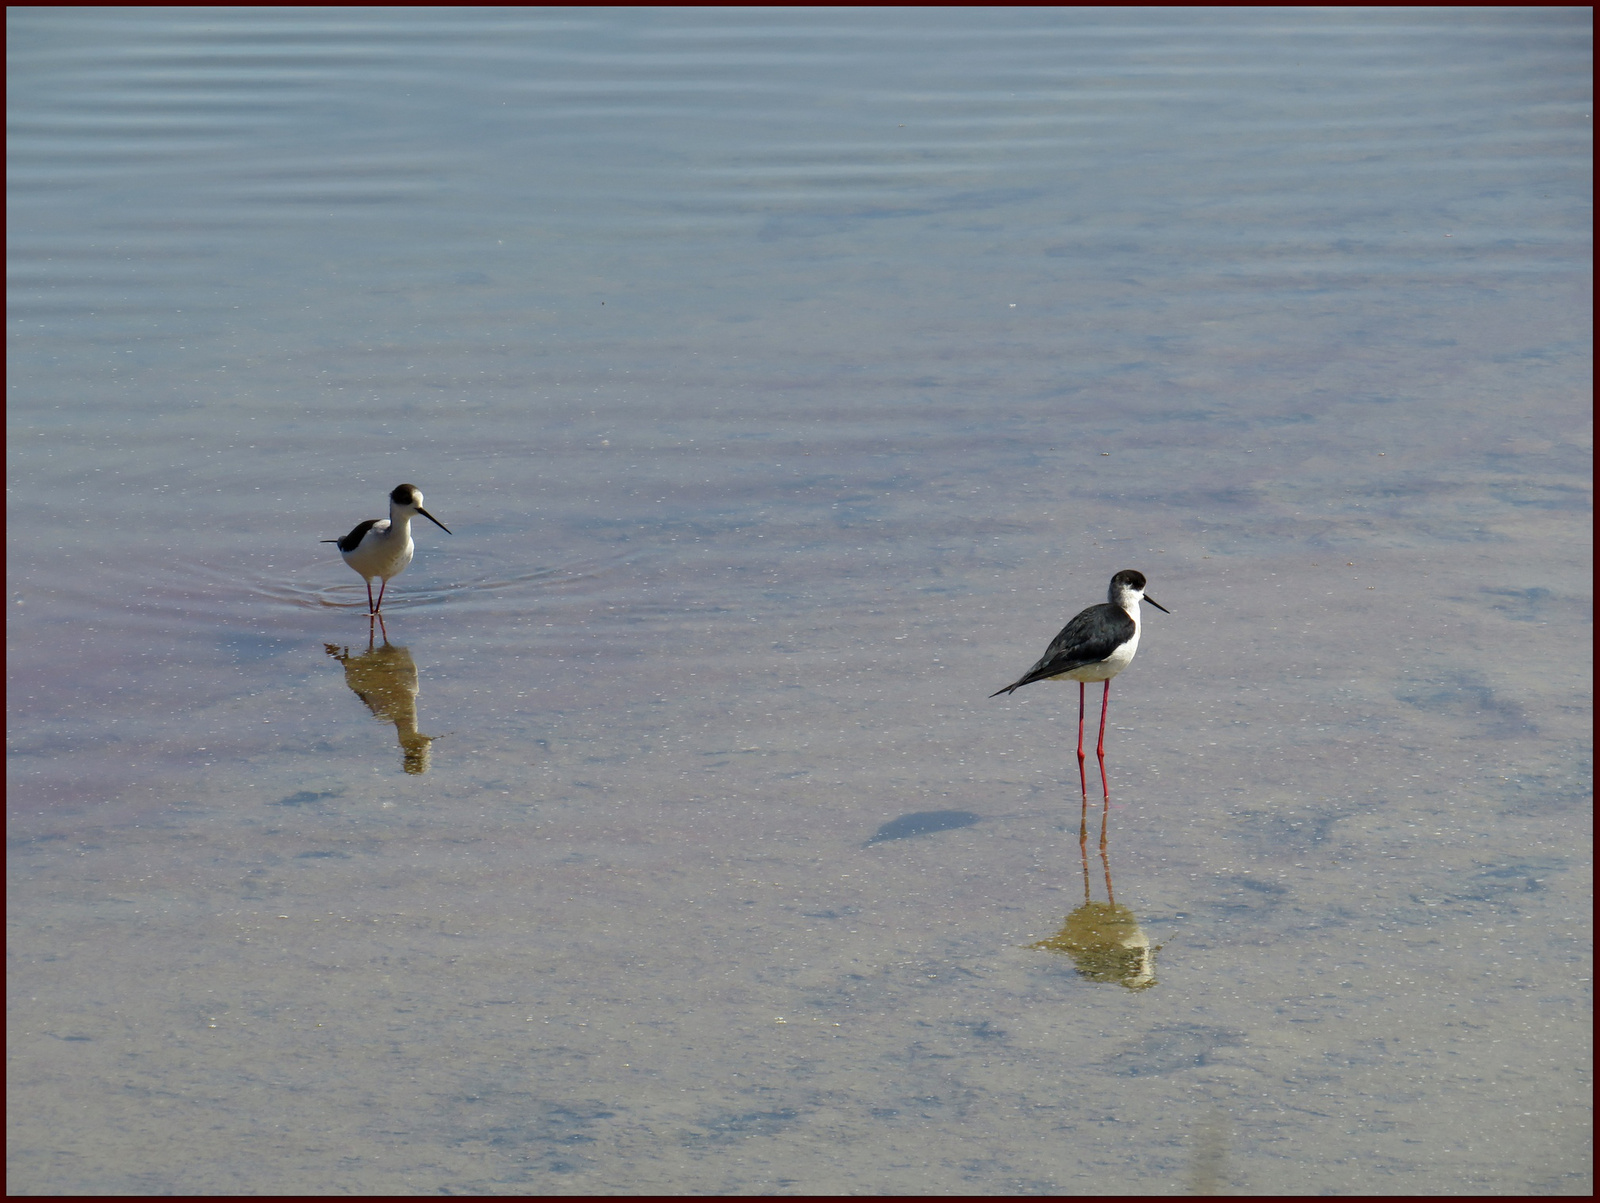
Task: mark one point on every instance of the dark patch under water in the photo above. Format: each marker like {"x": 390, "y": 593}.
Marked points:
{"x": 923, "y": 822}
{"x": 1173, "y": 1048}
{"x": 305, "y": 797}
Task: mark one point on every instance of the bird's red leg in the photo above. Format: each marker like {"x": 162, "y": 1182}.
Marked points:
{"x": 385, "y": 585}
{"x": 371, "y": 609}
{"x": 1083, "y": 780}
{"x": 1100, "y": 748}
{"x": 1100, "y": 754}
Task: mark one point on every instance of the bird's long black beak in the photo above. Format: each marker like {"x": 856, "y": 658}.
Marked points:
{"x": 448, "y": 531}
{"x": 1156, "y": 604}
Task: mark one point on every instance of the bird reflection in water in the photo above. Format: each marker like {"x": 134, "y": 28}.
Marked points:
{"x": 1104, "y": 939}
{"x": 385, "y": 678}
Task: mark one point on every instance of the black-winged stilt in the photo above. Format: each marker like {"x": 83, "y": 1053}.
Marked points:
{"x": 382, "y": 547}
{"x": 1095, "y": 646}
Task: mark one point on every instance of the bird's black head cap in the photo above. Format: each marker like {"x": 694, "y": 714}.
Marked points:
{"x": 1129, "y": 581}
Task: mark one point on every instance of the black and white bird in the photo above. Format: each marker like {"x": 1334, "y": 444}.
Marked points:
{"x": 1095, "y": 646}
{"x": 382, "y": 547}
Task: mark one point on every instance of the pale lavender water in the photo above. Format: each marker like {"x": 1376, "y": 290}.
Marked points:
{"x": 788, "y": 379}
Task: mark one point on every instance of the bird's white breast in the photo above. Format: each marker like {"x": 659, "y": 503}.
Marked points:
{"x": 382, "y": 553}
{"x": 1107, "y": 668}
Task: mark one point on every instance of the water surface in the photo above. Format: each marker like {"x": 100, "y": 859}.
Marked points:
{"x": 787, "y": 379}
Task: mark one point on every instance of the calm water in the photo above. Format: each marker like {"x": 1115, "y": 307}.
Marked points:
{"x": 787, "y": 379}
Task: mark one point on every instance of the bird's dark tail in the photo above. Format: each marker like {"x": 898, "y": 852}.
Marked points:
{"x": 1015, "y": 685}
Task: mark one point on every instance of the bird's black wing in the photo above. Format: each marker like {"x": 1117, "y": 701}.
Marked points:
{"x": 1088, "y": 639}
{"x": 353, "y": 540}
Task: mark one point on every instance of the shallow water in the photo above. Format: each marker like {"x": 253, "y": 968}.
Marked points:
{"x": 787, "y": 380}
